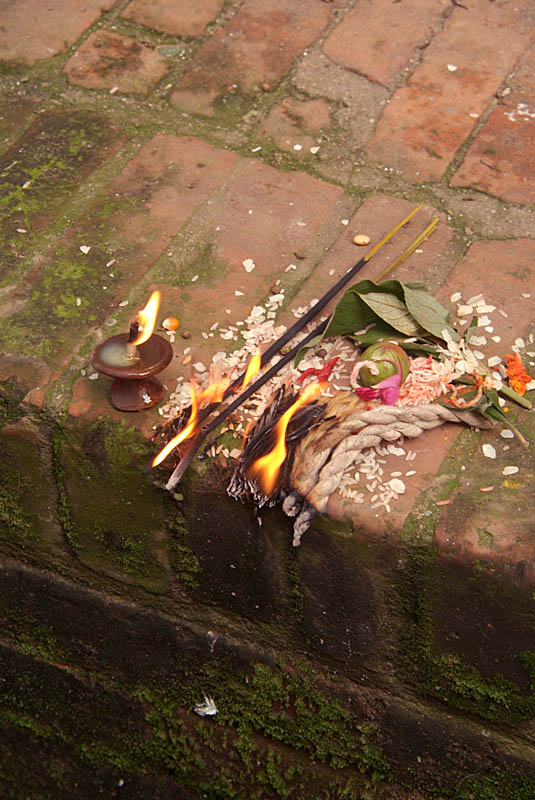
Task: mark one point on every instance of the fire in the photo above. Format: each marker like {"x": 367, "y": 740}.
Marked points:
{"x": 213, "y": 393}
{"x": 147, "y": 318}
{"x": 267, "y": 467}
{"x": 253, "y": 368}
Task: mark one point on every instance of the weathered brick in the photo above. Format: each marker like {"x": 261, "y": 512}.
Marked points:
{"x": 359, "y": 102}
{"x": 181, "y": 18}
{"x": 340, "y": 614}
{"x": 501, "y": 159}
{"x": 266, "y": 216}
{"x": 143, "y": 209}
{"x": 294, "y": 124}
{"x": 14, "y": 114}
{"x": 429, "y": 119}
{"x": 503, "y": 271}
{"x": 256, "y": 47}
{"x": 28, "y": 496}
{"x": 32, "y": 31}
{"x": 106, "y": 60}
{"x": 379, "y": 39}
{"x": 42, "y": 170}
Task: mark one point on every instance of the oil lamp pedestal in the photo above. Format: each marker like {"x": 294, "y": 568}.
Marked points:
{"x": 134, "y": 387}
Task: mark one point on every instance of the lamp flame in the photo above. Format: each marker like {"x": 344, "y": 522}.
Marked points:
{"x": 147, "y": 318}
{"x": 214, "y": 393}
{"x": 253, "y": 368}
{"x": 267, "y": 467}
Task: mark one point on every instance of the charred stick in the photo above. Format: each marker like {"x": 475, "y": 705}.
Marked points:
{"x": 197, "y": 440}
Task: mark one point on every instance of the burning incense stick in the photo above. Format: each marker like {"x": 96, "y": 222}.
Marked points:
{"x": 195, "y": 441}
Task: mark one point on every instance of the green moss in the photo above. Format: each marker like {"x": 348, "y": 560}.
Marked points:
{"x": 444, "y": 676}
{"x": 124, "y": 524}
{"x": 63, "y": 507}
{"x": 499, "y": 785}
{"x": 264, "y": 715}
{"x": 183, "y": 559}
{"x": 187, "y": 258}
{"x": 15, "y": 521}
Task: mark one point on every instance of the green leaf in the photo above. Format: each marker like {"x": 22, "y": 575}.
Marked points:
{"x": 428, "y": 312}
{"x": 393, "y": 311}
{"x": 383, "y": 332}
{"x": 312, "y": 343}
{"x": 350, "y": 315}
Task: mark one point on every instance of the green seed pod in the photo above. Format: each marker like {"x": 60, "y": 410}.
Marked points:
{"x": 390, "y": 359}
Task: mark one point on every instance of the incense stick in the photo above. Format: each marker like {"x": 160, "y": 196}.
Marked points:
{"x": 412, "y": 247}
{"x": 195, "y": 441}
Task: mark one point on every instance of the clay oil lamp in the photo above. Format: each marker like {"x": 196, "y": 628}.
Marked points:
{"x": 133, "y": 359}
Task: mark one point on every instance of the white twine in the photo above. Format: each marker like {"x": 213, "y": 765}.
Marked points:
{"x": 321, "y": 460}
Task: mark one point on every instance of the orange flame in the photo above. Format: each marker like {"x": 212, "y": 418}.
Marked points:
{"x": 213, "y": 393}
{"x": 267, "y": 467}
{"x": 253, "y": 368}
{"x": 147, "y": 318}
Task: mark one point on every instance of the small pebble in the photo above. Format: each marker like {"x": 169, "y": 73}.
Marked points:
{"x": 186, "y": 360}
{"x": 186, "y": 335}
{"x": 489, "y": 451}
{"x": 361, "y": 239}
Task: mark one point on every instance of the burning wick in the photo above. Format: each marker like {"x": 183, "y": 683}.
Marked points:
{"x": 267, "y": 467}
{"x": 141, "y": 329}
{"x": 213, "y": 393}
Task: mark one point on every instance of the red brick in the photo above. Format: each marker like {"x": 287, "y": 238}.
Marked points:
{"x": 502, "y": 272}
{"x": 256, "y": 47}
{"x": 495, "y": 528}
{"x": 107, "y": 60}
{"x": 501, "y": 159}
{"x": 177, "y": 17}
{"x": 142, "y": 211}
{"x": 267, "y": 216}
{"x": 57, "y": 152}
{"x": 31, "y": 30}
{"x": 429, "y": 119}
{"x": 378, "y": 39}
{"x": 296, "y": 122}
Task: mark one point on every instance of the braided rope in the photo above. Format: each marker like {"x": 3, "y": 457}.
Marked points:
{"x": 318, "y": 470}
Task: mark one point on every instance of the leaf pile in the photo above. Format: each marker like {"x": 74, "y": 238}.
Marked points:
{"x": 369, "y": 312}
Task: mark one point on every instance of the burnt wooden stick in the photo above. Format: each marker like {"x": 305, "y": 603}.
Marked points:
{"x": 197, "y": 440}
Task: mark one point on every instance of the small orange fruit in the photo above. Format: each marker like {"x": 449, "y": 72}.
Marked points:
{"x": 170, "y": 323}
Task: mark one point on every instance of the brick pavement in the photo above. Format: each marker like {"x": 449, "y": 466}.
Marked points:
{"x": 283, "y": 99}
{"x": 163, "y": 144}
